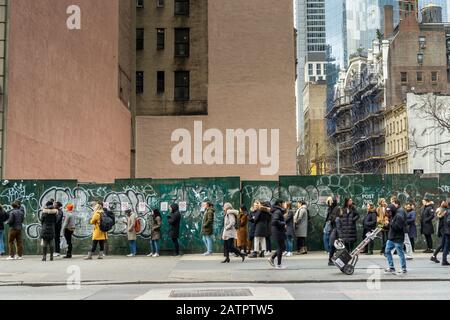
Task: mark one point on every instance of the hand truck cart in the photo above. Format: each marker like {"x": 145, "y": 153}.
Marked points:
{"x": 346, "y": 261}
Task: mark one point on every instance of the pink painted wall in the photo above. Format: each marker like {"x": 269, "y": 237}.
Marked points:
{"x": 64, "y": 117}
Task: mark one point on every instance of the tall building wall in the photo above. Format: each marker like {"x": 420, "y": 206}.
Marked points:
{"x": 65, "y": 118}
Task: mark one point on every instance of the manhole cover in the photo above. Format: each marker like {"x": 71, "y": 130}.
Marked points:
{"x": 210, "y": 293}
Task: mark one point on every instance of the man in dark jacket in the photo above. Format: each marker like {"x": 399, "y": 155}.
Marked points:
{"x": 58, "y": 226}
{"x": 174, "y": 220}
{"x": 396, "y": 236}
{"x": 278, "y": 232}
{"x": 3, "y": 219}
{"x": 208, "y": 227}
{"x": 446, "y": 237}
{"x": 426, "y": 223}
{"x": 15, "y": 221}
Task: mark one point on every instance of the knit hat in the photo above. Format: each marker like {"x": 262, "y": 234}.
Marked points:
{"x": 70, "y": 207}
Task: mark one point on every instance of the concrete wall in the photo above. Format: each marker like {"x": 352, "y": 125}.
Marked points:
{"x": 251, "y": 85}
{"x": 64, "y": 115}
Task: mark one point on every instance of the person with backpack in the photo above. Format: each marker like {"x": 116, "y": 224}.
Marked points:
{"x": 3, "y": 219}
{"x": 229, "y": 233}
{"x": 396, "y": 237}
{"x": 102, "y": 222}
{"x": 301, "y": 226}
{"x": 48, "y": 232}
{"x": 68, "y": 229}
{"x": 156, "y": 233}
{"x": 58, "y": 227}
{"x": 131, "y": 232}
{"x": 208, "y": 227}
{"x": 279, "y": 233}
{"x": 174, "y": 220}
{"x": 15, "y": 221}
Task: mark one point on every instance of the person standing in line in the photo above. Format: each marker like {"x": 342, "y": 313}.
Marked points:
{"x": 15, "y": 221}
{"x": 242, "y": 231}
{"x": 335, "y": 225}
{"x": 446, "y": 237}
{"x": 396, "y": 238}
{"x": 301, "y": 226}
{"x": 269, "y": 228}
{"x": 383, "y": 220}
{"x": 174, "y": 220}
{"x": 251, "y": 229}
{"x": 155, "y": 234}
{"x": 208, "y": 227}
{"x": 262, "y": 215}
{"x": 289, "y": 219}
{"x": 369, "y": 224}
{"x": 327, "y": 227}
{"x": 131, "y": 232}
{"x": 411, "y": 225}
{"x": 3, "y": 219}
{"x": 58, "y": 227}
{"x": 349, "y": 219}
{"x": 279, "y": 233}
{"x": 98, "y": 236}
{"x": 440, "y": 213}
{"x": 426, "y": 223}
{"x": 48, "y": 231}
{"x": 68, "y": 228}
{"x": 229, "y": 232}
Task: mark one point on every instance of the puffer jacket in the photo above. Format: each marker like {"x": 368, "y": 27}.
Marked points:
{"x": 262, "y": 218}
{"x": 48, "y": 220}
{"x": 229, "y": 223}
{"x": 278, "y": 224}
{"x": 289, "y": 219}
{"x": 397, "y": 228}
{"x": 426, "y": 221}
{"x": 349, "y": 233}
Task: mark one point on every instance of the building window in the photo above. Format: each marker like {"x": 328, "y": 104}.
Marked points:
{"x": 181, "y": 86}
{"x": 401, "y": 144}
{"x": 422, "y": 42}
{"x": 139, "y": 82}
{"x": 182, "y": 42}
{"x": 403, "y": 77}
{"x": 181, "y": 7}
{"x": 401, "y": 125}
{"x": 160, "y": 3}
{"x": 160, "y": 82}
{"x": 139, "y": 3}
{"x": 312, "y": 79}
{"x": 434, "y": 76}
{"x": 419, "y": 76}
{"x": 420, "y": 58}
{"x": 318, "y": 69}
{"x": 139, "y": 39}
{"x": 160, "y": 38}
{"x": 310, "y": 69}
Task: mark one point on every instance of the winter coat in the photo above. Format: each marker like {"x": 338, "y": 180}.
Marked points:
{"x": 174, "y": 223}
{"x": 48, "y": 220}
{"x": 397, "y": 228}
{"x": 411, "y": 223}
{"x": 301, "y": 222}
{"x": 229, "y": 221}
{"x": 98, "y": 234}
{"x": 156, "y": 227}
{"x": 68, "y": 222}
{"x": 335, "y": 223}
{"x": 251, "y": 225}
{"x": 382, "y": 218}
{"x": 278, "y": 224}
{"x": 426, "y": 221}
{"x": 208, "y": 222}
{"x": 440, "y": 213}
{"x": 3, "y": 218}
{"x": 242, "y": 231}
{"x": 262, "y": 218}
{"x": 59, "y": 219}
{"x": 15, "y": 219}
{"x": 289, "y": 219}
{"x": 349, "y": 218}
{"x": 131, "y": 231}
{"x": 446, "y": 223}
{"x": 370, "y": 221}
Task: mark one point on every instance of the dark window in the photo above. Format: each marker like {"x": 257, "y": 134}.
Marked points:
{"x": 160, "y": 82}
{"x": 181, "y": 7}
{"x": 140, "y": 39}
{"x": 403, "y": 77}
{"x": 139, "y": 82}
{"x": 434, "y": 76}
{"x": 160, "y": 38}
{"x": 160, "y": 3}
{"x": 182, "y": 42}
{"x": 181, "y": 85}
{"x": 419, "y": 76}
{"x": 139, "y": 3}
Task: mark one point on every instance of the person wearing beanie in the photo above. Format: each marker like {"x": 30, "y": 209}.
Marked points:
{"x": 396, "y": 237}
{"x": 48, "y": 220}
{"x": 68, "y": 228}
{"x": 174, "y": 220}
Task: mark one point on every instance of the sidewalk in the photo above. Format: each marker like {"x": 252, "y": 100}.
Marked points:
{"x": 311, "y": 268}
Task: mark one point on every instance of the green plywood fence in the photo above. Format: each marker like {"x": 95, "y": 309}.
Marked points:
{"x": 314, "y": 189}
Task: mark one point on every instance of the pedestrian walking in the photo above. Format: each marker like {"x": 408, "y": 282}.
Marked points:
{"x": 251, "y": 228}
{"x": 68, "y": 228}
{"x": 208, "y": 227}
{"x": 396, "y": 237}
{"x": 174, "y": 220}
{"x": 446, "y": 237}
{"x": 335, "y": 225}
{"x": 290, "y": 234}
{"x": 48, "y": 230}
{"x": 262, "y": 216}
{"x": 301, "y": 226}
{"x": 406, "y": 240}
{"x": 411, "y": 224}
{"x": 58, "y": 227}
{"x": 349, "y": 218}
{"x": 383, "y": 220}
{"x": 15, "y": 221}
{"x": 155, "y": 233}
{"x": 369, "y": 224}
{"x": 426, "y": 223}
{"x": 3, "y": 219}
{"x": 279, "y": 233}
{"x": 99, "y": 236}
{"x": 440, "y": 213}
{"x": 241, "y": 240}
{"x": 131, "y": 232}
{"x": 229, "y": 233}
{"x": 269, "y": 229}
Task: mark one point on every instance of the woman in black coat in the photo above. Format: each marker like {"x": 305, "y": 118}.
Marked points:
{"x": 48, "y": 220}
{"x": 349, "y": 218}
{"x": 251, "y": 228}
{"x": 174, "y": 220}
{"x": 426, "y": 223}
{"x": 262, "y": 216}
{"x": 335, "y": 214}
{"x": 369, "y": 224}
{"x": 278, "y": 233}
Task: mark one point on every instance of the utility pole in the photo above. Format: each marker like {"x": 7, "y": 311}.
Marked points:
{"x": 338, "y": 160}
{"x": 318, "y": 169}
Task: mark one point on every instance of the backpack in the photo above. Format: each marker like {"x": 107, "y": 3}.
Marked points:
{"x": 137, "y": 225}
{"x": 107, "y": 221}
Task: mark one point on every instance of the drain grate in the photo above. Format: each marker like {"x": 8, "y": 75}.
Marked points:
{"x": 210, "y": 293}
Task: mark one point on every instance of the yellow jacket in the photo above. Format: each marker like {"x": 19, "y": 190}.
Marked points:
{"x": 98, "y": 234}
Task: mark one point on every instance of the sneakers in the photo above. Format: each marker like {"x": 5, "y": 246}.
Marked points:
{"x": 285, "y": 253}
{"x": 10, "y": 258}
{"x": 280, "y": 267}
{"x": 130, "y": 255}
{"x": 389, "y": 270}
{"x": 408, "y": 257}
{"x": 271, "y": 262}
{"x": 150, "y": 254}
{"x": 155, "y": 255}
{"x": 289, "y": 254}
{"x": 19, "y": 258}
{"x": 404, "y": 271}
{"x": 56, "y": 254}
{"x": 445, "y": 263}
{"x": 434, "y": 259}
{"x": 207, "y": 254}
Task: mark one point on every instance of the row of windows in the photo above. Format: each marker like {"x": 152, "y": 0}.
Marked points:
{"x": 315, "y": 17}
{"x": 402, "y": 167}
{"x": 396, "y": 127}
{"x": 316, "y": 48}
{"x": 181, "y": 7}
{"x": 315, "y": 23}
{"x": 181, "y": 43}
{"x": 316, "y": 40}
{"x": 313, "y": 11}
{"x": 181, "y": 84}
{"x": 315, "y": 29}
{"x": 397, "y": 146}
{"x": 434, "y": 76}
